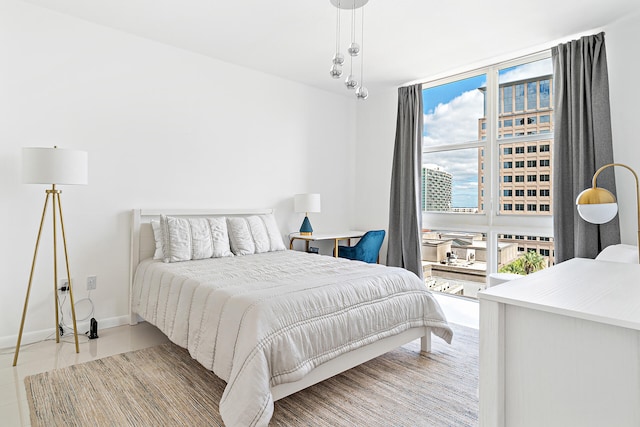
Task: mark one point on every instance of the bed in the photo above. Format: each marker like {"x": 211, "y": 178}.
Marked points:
{"x": 267, "y": 320}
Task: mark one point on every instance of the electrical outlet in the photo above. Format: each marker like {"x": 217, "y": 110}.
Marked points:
{"x": 92, "y": 282}
{"x": 63, "y": 285}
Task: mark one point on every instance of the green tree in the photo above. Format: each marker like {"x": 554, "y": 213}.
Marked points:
{"x": 528, "y": 263}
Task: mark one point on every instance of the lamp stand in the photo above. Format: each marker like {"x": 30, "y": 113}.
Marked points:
{"x": 57, "y": 207}
{"x": 595, "y": 177}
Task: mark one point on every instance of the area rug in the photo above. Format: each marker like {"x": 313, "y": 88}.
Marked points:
{"x": 164, "y": 386}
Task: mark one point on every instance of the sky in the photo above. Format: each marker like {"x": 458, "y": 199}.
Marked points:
{"x": 451, "y": 113}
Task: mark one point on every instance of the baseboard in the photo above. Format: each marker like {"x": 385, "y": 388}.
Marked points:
{"x": 35, "y": 336}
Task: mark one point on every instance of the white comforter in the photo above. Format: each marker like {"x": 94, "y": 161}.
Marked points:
{"x": 261, "y": 320}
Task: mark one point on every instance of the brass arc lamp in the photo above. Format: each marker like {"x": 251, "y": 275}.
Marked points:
{"x": 597, "y": 205}
{"x": 52, "y": 166}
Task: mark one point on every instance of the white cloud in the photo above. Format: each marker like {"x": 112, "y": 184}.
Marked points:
{"x": 456, "y": 121}
{"x": 527, "y": 71}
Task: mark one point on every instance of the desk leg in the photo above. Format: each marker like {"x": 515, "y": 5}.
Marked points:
{"x": 335, "y": 248}
{"x": 291, "y": 243}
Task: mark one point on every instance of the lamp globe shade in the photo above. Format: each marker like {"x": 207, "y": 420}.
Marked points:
{"x": 597, "y": 205}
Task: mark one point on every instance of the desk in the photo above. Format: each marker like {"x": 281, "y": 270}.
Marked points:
{"x": 561, "y": 347}
{"x": 336, "y": 237}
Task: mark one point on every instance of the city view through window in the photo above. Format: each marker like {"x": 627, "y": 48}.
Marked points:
{"x": 482, "y": 139}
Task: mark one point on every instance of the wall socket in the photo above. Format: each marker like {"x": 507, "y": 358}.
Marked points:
{"x": 63, "y": 283}
{"x": 92, "y": 282}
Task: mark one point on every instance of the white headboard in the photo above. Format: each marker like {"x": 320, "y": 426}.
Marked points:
{"x": 143, "y": 243}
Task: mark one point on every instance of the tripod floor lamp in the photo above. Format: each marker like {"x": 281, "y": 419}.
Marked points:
{"x": 52, "y": 166}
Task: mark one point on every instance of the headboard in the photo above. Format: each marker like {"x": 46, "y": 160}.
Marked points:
{"x": 143, "y": 243}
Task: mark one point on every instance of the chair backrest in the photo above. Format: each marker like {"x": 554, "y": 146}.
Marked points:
{"x": 368, "y": 247}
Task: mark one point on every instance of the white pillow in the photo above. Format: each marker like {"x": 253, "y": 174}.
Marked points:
{"x": 619, "y": 253}
{"x": 157, "y": 235}
{"x": 254, "y": 234}
{"x": 185, "y": 239}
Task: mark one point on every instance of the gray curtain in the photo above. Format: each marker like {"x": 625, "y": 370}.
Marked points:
{"x": 405, "y": 216}
{"x": 582, "y": 144}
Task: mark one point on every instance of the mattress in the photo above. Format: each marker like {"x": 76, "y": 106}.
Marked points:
{"x": 261, "y": 320}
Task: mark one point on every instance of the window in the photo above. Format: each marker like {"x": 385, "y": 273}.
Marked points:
{"x": 532, "y": 95}
{"x": 544, "y": 148}
{"x": 532, "y": 178}
{"x": 532, "y": 238}
{"x": 545, "y": 177}
{"x": 544, "y": 193}
{"x": 544, "y": 252}
{"x": 544, "y": 162}
{"x": 520, "y": 249}
{"x": 508, "y": 99}
{"x": 545, "y": 208}
{"x": 470, "y": 165}
{"x": 519, "y": 237}
{"x": 519, "y": 97}
{"x": 545, "y": 93}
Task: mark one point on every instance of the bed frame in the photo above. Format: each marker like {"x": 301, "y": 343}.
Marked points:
{"x": 143, "y": 246}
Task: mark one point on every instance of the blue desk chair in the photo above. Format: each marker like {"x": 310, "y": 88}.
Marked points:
{"x": 366, "y": 249}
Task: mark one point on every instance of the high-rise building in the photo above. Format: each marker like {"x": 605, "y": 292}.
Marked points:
{"x": 525, "y": 177}
{"x": 436, "y": 196}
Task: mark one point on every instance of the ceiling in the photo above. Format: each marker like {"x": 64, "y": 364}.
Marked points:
{"x": 405, "y": 40}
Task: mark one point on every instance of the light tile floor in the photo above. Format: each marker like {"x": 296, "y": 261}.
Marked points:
{"x": 47, "y": 355}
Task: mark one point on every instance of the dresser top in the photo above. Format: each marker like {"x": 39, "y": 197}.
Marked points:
{"x": 601, "y": 291}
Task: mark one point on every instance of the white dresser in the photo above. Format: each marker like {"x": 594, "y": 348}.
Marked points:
{"x": 561, "y": 347}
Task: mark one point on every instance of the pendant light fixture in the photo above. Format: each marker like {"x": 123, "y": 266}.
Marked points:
{"x": 354, "y": 48}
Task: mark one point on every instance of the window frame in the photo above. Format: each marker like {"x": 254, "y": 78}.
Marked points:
{"x": 489, "y": 221}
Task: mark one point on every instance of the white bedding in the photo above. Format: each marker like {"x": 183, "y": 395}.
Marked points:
{"x": 265, "y": 319}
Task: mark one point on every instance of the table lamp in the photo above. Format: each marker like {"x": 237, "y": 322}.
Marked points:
{"x": 597, "y": 205}
{"x": 52, "y": 166}
{"x": 309, "y": 202}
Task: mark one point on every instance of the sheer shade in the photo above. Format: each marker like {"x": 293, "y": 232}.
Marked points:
{"x": 305, "y": 203}
{"x": 54, "y": 166}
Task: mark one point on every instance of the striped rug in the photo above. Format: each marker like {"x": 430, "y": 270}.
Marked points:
{"x": 163, "y": 386}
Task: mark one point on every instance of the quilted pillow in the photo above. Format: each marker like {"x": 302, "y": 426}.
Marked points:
{"x": 157, "y": 236}
{"x": 254, "y": 234}
{"x": 184, "y": 239}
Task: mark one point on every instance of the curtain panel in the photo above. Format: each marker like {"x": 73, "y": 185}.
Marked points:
{"x": 405, "y": 216}
{"x": 582, "y": 143}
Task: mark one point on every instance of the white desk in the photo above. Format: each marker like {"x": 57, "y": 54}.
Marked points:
{"x": 561, "y": 347}
{"x": 336, "y": 237}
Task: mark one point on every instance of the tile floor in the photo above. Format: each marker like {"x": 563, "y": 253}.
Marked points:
{"x": 46, "y": 355}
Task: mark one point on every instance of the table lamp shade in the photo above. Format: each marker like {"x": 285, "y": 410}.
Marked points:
{"x": 309, "y": 202}
{"x": 54, "y": 166}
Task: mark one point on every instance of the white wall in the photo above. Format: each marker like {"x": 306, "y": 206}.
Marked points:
{"x": 163, "y": 128}
{"x": 622, "y": 40}
{"x": 377, "y": 121}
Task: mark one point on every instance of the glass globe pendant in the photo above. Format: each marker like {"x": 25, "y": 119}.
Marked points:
{"x": 362, "y": 93}
{"x": 335, "y": 71}
{"x": 354, "y": 49}
{"x": 351, "y": 82}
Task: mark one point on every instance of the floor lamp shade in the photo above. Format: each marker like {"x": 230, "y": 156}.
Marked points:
{"x": 308, "y": 202}
{"x": 54, "y": 166}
